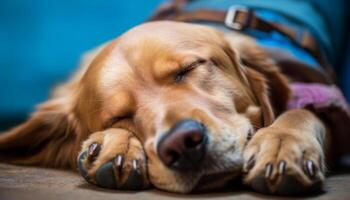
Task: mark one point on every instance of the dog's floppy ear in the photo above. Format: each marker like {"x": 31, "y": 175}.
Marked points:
{"x": 46, "y": 138}
{"x": 259, "y": 71}
{"x": 257, "y": 83}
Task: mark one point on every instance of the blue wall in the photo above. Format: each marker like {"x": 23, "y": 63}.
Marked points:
{"x": 41, "y": 41}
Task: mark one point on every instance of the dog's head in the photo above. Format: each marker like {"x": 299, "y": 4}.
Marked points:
{"x": 186, "y": 92}
{"x": 182, "y": 89}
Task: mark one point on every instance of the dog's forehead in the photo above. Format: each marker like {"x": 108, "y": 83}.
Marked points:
{"x": 166, "y": 36}
{"x": 149, "y": 51}
{"x": 167, "y": 30}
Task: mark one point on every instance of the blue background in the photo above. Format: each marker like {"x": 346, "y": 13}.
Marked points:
{"x": 41, "y": 42}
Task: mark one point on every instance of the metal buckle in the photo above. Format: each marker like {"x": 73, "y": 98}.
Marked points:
{"x": 231, "y": 15}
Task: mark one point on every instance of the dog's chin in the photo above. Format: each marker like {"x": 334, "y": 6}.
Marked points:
{"x": 209, "y": 182}
{"x": 217, "y": 177}
{"x": 204, "y": 183}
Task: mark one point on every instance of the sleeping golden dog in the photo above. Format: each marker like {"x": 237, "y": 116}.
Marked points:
{"x": 178, "y": 106}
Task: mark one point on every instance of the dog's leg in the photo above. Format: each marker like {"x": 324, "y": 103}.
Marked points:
{"x": 287, "y": 157}
{"x": 114, "y": 159}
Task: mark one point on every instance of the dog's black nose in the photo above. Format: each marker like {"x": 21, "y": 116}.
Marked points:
{"x": 184, "y": 146}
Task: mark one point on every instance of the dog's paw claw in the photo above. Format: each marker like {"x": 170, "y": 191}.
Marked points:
{"x": 249, "y": 165}
{"x": 105, "y": 165}
{"x": 268, "y": 170}
{"x": 93, "y": 151}
{"x": 310, "y": 168}
{"x": 281, "y": 167}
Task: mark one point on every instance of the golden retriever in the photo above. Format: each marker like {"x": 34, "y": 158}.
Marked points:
{"x": 178, "y": 106}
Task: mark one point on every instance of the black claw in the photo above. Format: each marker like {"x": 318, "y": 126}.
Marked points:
{"x": 135, "y": 179}
{"x": 281, "y": 167}
{"x": 81, "y": 167}
{"x": 250, "y": 164}
{"x": 118, "y": 165}
{"x": 105, "y": 176}
{"x": 119, "y": 161}
{"x": 268, "y": 170}
{"x": 310, "y": 168}
{"x": 136, "y": 165}
{"x": 93, "y": 151}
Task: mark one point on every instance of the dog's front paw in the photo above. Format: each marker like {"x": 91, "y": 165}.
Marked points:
{"x": 284, "y": 162}
{"x": 114, "y": 159}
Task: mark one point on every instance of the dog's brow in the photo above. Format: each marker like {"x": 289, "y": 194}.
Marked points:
{"x": 168, "y": 69}
{"x": 193, "y": 64}
{"x": 165, "y": 68}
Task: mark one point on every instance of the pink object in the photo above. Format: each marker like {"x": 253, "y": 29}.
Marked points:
{"x": 328, "y": 102}
{"x": 316, "y": 95}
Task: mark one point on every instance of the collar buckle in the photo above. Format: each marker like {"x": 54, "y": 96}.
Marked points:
{"x": 231, "y": 17}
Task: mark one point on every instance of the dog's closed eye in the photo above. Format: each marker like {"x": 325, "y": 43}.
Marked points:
{"x": 180, "y": 76}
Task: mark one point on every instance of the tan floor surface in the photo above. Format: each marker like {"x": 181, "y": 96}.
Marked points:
{"x": 23, "y": 183}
